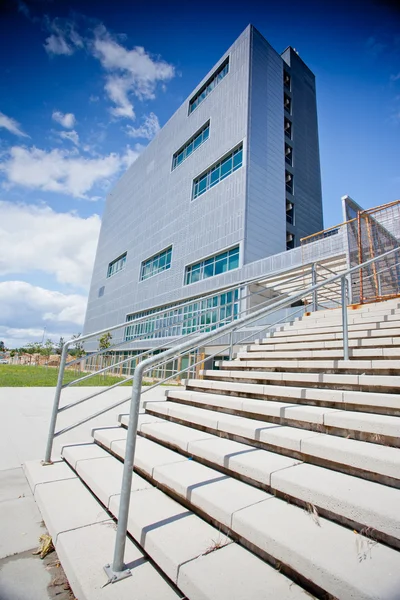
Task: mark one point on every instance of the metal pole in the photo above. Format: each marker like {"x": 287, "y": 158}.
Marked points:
{"x": 56, "y": 404}
{"x": 314, "y": 282}
{"x": 231, "y": 344}
{"x": 118, "y": 570}
{"x": 345, "y": 327}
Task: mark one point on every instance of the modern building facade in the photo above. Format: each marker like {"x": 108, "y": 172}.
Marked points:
{"x": 230, "y": 181}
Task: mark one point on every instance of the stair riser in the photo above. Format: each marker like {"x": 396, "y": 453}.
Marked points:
{"x": 390, "y": 353}
{"x": 316, "y": 460}
{"x": 300, "y": 344}
{"x": 380, "y": 368}
{"x": 293, "y": 382}
{"x": 319, "y": 385}
{"x": 322, "y": 511}
{"x": 362, "y": 436}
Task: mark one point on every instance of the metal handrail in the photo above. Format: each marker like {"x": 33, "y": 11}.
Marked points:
{"x": 118, "y": 569}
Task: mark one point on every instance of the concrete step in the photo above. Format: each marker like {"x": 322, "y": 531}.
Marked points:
{"x": 300, "y": 344}
{"x": 229, "y": 371}
{"x": 368, "y": 426}
{"x": 299, "y": 540}
{"x": 382, "y": 353}
{"x": 251, "y": 383}
{"x": 173, "y": 536}
{"x": 370, "y": 461}
{"x": 386, "y": 329}
{"x": 84, "y": 536}
{"x": 345, "y": 499}
{"x": 316, "y": 322}
{"x": 381, "y": 366}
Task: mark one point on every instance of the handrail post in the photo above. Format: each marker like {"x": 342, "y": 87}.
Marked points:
{"x": 56, "y": 404}
{"x": 231, "y": 344}
{"x": 345, "y": 326}
{"x": 314, "y": 282}
{"x": 117, "y": 570}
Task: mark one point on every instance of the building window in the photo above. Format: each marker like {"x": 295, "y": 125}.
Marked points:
{"x": 215, "y": 265}
{"x": 288, "y": 128}
{"x": 157, "y": 263}
{"x": 287, "y": 103}
{"x": 101, "y": 291}
{"x": 209, "y": 85}
{"x": 116, "y": 265}
{"x": 289, "y": 154}
{"x": 191, "y": 145}
{"x": 218, "y": 172}
{"x": 290, "y": 241}
{"x": 287, "y": 80}
{"x": 289, "y": 212}
{"x": 201, "y": 314}
{"x": 289, "y": 182}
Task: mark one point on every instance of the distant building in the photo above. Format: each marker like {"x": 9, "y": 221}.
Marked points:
{"x": 231, "y": 179}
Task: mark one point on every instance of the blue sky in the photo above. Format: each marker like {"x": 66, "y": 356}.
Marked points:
{"x": 84, "y": 86}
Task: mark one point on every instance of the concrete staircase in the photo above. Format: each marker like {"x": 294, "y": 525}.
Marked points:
{"x": 276, "y": 476}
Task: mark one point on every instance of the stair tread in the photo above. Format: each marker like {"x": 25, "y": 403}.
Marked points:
{"x": 235, "y": 503}
{"x": 362, "y": 501}
{"x": 171, "y": 534}
{"x": 368, "y": 457}
{"x": 357, "y": 421}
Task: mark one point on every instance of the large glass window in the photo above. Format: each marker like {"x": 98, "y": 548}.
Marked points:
{"x": 156, "y": 264}
{"x": 215, "y": 265}
{"x": 209, "y": 85}
{"x": 191, "y": 145}
{"x": 204, "y": 315}
{"x": 116, "y": 265}
{"x": 217, "y": 172}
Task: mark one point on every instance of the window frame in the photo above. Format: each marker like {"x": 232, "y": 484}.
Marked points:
{"x": 122, "y": 257}
{"x": 205, "y": 176}
{"x": 147, "y": 263}
{"x": 182, "y": 151}
{"x": 214, "y": 79}
{"x": 232, "y": 254}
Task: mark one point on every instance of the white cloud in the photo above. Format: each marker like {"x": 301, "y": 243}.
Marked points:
{"x": 63, "y": 39}
{"x": 61, "y": 170}
{"x": 395, "y": 77}
{"x": 40, "y": 239}
{"x": 72, "y": 136}
{"x": 27, "y": 309}
{"x": 67, "y": 120}
{"x": 57, "y": 44}
{"x": 132, "y": 72}
{"x": 148, "y": 130}
{"x": 11, "y": 125}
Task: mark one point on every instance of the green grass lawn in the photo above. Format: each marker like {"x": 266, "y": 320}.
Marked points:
{"x": 35, "y": 376}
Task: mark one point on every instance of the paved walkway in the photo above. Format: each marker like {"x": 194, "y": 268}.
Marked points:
{"x": 24, "y": 420}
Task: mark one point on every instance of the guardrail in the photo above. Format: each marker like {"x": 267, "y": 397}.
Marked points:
{"x": 117, "y": 570}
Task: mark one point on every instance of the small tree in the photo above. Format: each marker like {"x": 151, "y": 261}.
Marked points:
{"x": 2, "y": 346}
{"x": 46, "y": 350}
{"x": 59, "y": 346}
{"x": 104, "y": 343}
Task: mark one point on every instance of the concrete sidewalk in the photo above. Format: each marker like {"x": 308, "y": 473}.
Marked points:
{"x": 24, "y": 421}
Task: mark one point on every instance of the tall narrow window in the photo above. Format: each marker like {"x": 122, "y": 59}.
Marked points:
{"x": 214, "y": 80}
{"x": 288, "y": 128}
{"x": 157, "y": 263}
{"x": 289, "y": 212}
{"x": 218, "y": 171}
{"x": 287, "y": 103}
{"x": 289, "y": 154}
{"x": 287, "y": 81}
{"x": 116, "y": 265}
{"x": 289, "y": 182}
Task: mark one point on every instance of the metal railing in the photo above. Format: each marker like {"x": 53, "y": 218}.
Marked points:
{"x": 309, "y": 272}
{"x": 316, "y": 294}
